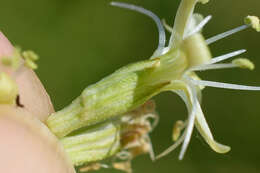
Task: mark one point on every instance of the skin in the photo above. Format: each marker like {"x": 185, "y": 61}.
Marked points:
{"x": 27, "y": 145}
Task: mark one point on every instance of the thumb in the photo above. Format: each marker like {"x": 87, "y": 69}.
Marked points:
{"x": 31, "y": 91}
{"x": 27, "y": 145}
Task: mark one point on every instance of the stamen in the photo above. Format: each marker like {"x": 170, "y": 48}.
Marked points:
{"x": 177, "y": 128}
{"x": 244, "y": 63}
{"x": 172, "y": 147}
{"x": 199, "y": 27}
{"x": 237, "y": 63}
{"x": 226, "y": 34}
{"x": 224, "y": 85}
{"x": 156, "y": 19}
{"x": 226, "y": 56}
{"x": 212, "y": 67}
{"x": 254, "y": 22}
{"x": 151, "y": 151}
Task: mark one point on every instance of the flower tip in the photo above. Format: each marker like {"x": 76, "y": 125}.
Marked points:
{"x": 203, "y": 1}
{"x": 254, "y": 22}
{"x": 244, "y": 63}
{"x": 180, "y": 157}
{"x": 219, "y": 148}
{"x": 112, "y": 3}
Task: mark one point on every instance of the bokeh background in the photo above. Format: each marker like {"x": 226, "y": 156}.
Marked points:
{"x": 81, "y": 41}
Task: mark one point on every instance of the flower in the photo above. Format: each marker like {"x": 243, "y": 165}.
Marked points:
{"x": 186, "y": 35}
{"x": 108, "y": 118}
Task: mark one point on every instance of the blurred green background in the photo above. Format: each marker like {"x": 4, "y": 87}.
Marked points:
{"x": 81, "y": 41}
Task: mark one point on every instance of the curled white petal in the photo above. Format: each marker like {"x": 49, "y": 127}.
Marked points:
{"x": 156, "y": 19}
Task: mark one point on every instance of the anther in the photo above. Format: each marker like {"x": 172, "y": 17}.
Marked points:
{"x": 177, "y": 128}
{"x": 244, "y": 63}
{"x": 254, "y": 22}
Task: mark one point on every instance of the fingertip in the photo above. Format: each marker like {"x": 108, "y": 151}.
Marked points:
{"x": 32, "y": 93}
{"x": 6, "y": 47}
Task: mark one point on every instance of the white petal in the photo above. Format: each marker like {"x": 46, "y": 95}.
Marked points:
{"x": 205, "y": 132}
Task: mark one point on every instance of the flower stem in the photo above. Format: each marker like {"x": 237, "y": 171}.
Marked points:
{"x": 92, "y": 144}
{"x": 121, "y": 92}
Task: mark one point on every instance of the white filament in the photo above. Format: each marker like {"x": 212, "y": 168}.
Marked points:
{"x": 199, "y": 27}
{"x": 156, "y": 19}
{"x": 224, "y": 85}
{"x": 212, "y": 67}
{"x": 226, "y": 34}
{"x": 226, "y": 56}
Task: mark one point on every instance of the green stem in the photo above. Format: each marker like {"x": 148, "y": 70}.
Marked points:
{"x": 65, "y": 121}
